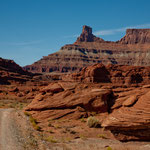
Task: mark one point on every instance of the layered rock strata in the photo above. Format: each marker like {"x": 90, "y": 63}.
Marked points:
{"x": 112, "y": 74}
{"x": 122, "y": 109}
{"x": 133, "y": 49}
{"x": 132, "y": 120}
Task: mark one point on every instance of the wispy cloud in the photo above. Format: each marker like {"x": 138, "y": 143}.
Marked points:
{"x": 71, "y": 36}
{"x": 24, "y": 43}
{"x": 115, "y": 31}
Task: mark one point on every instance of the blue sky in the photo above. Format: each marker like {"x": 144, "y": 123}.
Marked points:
{"x": 30, "y": 29}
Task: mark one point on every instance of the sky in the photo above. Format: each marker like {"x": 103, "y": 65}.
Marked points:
{"x": 31, "y": 29}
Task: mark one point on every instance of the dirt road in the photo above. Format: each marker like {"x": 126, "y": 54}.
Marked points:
{"x": 10, "y": 137}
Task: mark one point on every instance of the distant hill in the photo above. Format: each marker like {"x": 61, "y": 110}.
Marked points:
{"x": 11, "y": 72}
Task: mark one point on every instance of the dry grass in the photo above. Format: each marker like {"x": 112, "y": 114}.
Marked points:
{"x": 93, "y": 122}
{"x": 51, "y": 139}
{"x": 102, "y": 136}
{"x": 33, "y": 121}
{"x": 83, "y": 120}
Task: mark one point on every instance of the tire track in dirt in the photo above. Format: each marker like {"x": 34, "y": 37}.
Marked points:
{"x": 10, "y": 138}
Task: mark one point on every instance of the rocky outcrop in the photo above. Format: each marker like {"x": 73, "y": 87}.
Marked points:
{"x": 70, "y": 100}
{"x": 136, "y": 36}
{"x": 114, "y": 74}
{"x": 133, "y": 49}
{"x": 87, "y": 36}
{"x": 132, "y": 120}
{"x": 11, "y": 66}
{"x": 125, "y": 111}
{"x": 11, "y": 72}
{"x": 118, "y": 95}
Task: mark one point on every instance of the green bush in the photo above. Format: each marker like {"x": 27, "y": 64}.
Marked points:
{"x": 109, "y": 148}
{"x": 93, "y": 122}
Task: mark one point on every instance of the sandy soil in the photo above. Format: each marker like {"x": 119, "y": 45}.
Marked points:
{"x": 10, "y": 135}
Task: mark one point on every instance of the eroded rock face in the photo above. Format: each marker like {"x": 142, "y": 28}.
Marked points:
{"x": 118, "y": 93}
{"x": 125, "y": 110}
{"x": 73, "y": 101}
{"x": 136, "y": 36}
{"x": 113, "y": 74}
{"x": 87, "y": 36}
{"x": 131, "y": 122}
{"x": 133, "y": 49}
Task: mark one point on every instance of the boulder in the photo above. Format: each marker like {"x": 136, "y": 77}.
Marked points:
{"x": 52, "y": 88}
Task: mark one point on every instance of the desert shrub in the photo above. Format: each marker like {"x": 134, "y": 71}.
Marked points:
{"x": 21, "y": 105}
{"x": 51, "y": 139}
{"x": 38, "y": 128}
{"x": 68, "y": 139}
{"x": 50, "y": 124}
{"x": 50, "y": 120}
{"x": 93, "y": 113}
{"x": 83, "y": 137}
{"x": 82, "y": 120}
{"x": 101, "y": 136}
{"x": 33, "y": 121}
{"x": 93, "y": 122}
{"x": 50, "y": 131}
{"x": 2, "y": 105}
{"x": 27, "y": 114}
{"x": 57, "y": 126}
{"x": 109, "y": 148}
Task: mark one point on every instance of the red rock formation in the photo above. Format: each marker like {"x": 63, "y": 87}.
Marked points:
{"x": 132, "y": 120}
{"x": 11, "y": 66}
{"x": 136, "y": 36}
{"x": 114, "y": 74}
{"x": 75, "y": 100}
{"x": 87, "y": 36}
{"x": 11, "y": 72}
{"x": 118, "y": 95}
{"x": 133, "y": 49}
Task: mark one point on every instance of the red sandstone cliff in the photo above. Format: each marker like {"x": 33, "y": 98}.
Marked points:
{"x": 133, "y": 49}
{"x": 136, "y": 36}
{"x": 112, "y": 74}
